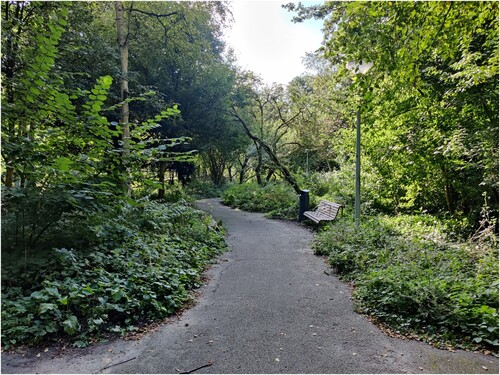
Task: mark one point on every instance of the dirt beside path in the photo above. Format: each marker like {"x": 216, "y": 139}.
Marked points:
{"x": 270, "y": 306}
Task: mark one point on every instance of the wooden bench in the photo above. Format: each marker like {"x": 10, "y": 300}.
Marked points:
{"x": 324, "y": 212}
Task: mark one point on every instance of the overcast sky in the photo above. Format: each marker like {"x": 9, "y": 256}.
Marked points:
{"x": 268, "y": 43}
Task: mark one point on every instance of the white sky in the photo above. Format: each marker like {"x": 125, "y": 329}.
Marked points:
{"x": 268, "y": 43}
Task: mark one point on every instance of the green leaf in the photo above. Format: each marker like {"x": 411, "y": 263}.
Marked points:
{"x": 107, "y": 81}
{"x": 34, "y": 90}
{"x": 63, "y": 164}
{"x": 39, "y": 295}
{"x": 102, "y": 300}
{"x": 118, "y": 295}
{"x": 44, "y": 307}
{"x": 71, "y": 325}
{"x": 80, "y": 344}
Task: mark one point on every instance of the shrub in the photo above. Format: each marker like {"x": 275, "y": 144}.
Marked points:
{"x": 140, "y": 269}
{"x": 200, "y": 189}
{"x": 278, "y": 200}
{"x": 411, "y": 276}
{"x": 175, "y": 193}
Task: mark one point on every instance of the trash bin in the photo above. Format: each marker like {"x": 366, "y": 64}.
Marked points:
{"x": 303, "y": 203}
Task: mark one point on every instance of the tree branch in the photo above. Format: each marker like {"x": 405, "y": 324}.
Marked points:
{"x": 286, "y": 173}
{"x": 151, "y": 14}
{"x": 442, "y": 24}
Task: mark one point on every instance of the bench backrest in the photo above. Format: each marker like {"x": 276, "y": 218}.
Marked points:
{"x": 328, "y": 209}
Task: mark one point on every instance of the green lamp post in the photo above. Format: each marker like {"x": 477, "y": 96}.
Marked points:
{"x": 358, "y": 68}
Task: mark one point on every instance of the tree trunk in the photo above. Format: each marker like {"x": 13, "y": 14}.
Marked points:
{"x": 217, "y": 165}
{"x": 122, "y": 37}
{"x": 258, "y": 168}
{"x": 161, "y": 178}
{"x": 10, "y": 55}
{"x": 448, "y": 191}
{"x": 243, "y": 169}
{"x": 270, "y": 174}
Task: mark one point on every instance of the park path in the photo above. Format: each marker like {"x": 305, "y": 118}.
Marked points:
{"x": 269, "y": 306}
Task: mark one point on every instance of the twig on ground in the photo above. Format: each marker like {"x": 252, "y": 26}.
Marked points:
{"x": 210, "y": 363}
{"x": 119, "y": 363}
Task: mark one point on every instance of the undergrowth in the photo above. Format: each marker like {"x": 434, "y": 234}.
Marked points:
{"x": 139, "y": 267}
{"x": 201, "y": 189}
{"x": 411, "y": 276}
{"x": 278, "y": 201}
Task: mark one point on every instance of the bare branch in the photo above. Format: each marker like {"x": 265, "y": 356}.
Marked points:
{"x": 151, "y": 14}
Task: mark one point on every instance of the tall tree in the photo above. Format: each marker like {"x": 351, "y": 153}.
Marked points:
{"x": 122, "y": 37}
{"x": 266, "y": 119}
{"x": 431, "y": 98}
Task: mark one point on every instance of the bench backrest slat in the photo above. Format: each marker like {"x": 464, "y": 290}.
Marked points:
{"x": 325, "y": 211}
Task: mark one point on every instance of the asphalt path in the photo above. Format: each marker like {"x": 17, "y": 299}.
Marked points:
{"x": 269, "y": 306}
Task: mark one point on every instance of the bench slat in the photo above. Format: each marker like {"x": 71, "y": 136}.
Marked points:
{"x": 325, "y": 211}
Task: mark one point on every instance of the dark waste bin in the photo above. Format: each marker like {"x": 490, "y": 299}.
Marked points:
{"x": 303, "y": 203}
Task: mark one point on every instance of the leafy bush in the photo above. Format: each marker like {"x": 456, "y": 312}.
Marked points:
{"x": 145, "y": 259}
{"x": 204, "y": 189}
{"x": 277, "y": 200}
{"x": 410, "y": 276}
{"x": 175, "y": 193}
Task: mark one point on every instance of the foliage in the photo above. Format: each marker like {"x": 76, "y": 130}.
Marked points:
{"x": 277, "y": 200}
{"x": 429, "y": 104}
{"x": 201, "y": 189}
{"x": 410, "y": 276}
{"x": 142, "y": 261}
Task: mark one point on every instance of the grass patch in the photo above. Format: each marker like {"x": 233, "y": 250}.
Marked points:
{"x": 415, "y": 279}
